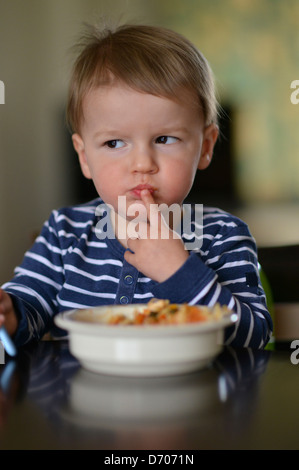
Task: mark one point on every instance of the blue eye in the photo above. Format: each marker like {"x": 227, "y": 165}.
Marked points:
{"x": 114, "y": 144}
{"x": 166, "y": 139}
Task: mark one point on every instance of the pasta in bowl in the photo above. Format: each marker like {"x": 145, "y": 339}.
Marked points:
{"x": 154, "y": 339}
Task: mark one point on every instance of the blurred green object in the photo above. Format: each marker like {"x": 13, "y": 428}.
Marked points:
{"x": 270, "y": 304}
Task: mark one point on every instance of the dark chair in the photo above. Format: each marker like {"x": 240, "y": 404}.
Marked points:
{"x": 281, "y": 266}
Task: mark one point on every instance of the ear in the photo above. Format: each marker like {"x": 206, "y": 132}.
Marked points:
{"x": 210, "y": 136}
{"x": 80, "y": 149}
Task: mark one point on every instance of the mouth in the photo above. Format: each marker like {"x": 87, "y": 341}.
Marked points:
{"x": 137, "y": 189}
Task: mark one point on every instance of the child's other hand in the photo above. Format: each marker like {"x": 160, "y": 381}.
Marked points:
{"x": 7, "y": 313}
{"x": 160, "y": 256}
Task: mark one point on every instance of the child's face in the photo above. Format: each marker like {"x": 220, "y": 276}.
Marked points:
{"x": 131, "y": 140}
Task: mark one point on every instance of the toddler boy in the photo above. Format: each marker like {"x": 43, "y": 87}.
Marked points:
{"x": 143, "y": 116}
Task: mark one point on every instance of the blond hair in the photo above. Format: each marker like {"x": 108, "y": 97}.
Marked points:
{"x": 149, "y": 59}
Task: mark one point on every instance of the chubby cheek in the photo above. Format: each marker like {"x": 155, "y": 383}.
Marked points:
{"x": 108, "y": 184}
{"x": 106, "y": 191}
{"x": 178, "y": 185}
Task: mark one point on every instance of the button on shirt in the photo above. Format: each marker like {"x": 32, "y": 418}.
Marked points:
{"x": 127, "y": 284}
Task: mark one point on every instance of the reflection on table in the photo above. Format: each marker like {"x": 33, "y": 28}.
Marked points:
{"x": 47, "y": 401}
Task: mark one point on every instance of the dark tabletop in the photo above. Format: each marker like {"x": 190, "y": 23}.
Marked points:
{"x": 245, "y": 400}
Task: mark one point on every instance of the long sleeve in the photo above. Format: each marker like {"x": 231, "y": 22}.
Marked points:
{"x": 225, "y": 270}
{"x": 36, "y": 284}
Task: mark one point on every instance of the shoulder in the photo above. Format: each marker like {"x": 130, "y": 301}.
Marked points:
{"x": 221, "y": 227}
{"x": 221, "y": 217}
{"x": 216, "y": 220}
{"x": 213, "y": 218}
{"x": 213, "y": 227}
{"x": 75, "y": 219}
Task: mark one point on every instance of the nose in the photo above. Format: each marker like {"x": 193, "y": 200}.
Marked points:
{"x": 143, "y": 160}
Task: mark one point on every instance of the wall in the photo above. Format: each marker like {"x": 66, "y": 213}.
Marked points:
{"x": 35, "y": 59}
{"x": 253, "y": 48}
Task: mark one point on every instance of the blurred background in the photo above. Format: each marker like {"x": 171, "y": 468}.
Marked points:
{"x": 253, "y": 48}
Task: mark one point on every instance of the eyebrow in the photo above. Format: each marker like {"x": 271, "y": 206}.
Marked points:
{"x": 173, "y": 129}
{"x": 106, "y": 132}
{"x": 169, "y": 130}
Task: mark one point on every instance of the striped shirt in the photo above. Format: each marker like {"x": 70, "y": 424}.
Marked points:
{"x": 70, "y": 266}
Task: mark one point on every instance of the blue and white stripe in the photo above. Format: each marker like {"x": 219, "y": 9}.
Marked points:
{"x": 69, "y": 267}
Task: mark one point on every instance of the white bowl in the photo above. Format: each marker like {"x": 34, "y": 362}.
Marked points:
{"x": 141, "y": 350}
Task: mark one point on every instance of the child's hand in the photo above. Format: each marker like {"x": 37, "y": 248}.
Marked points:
{"x": 7, "y": 313}
{"x": 157, "y": 258}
